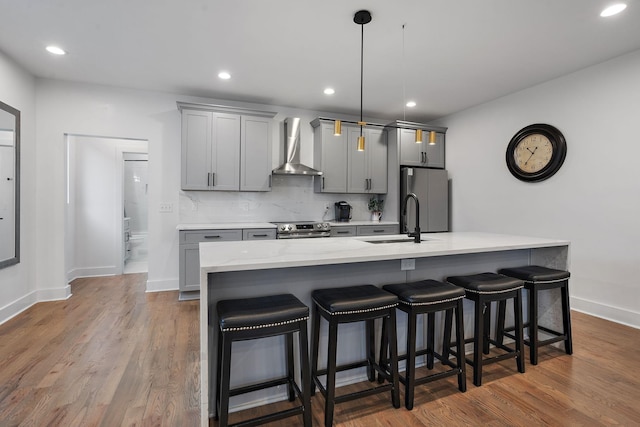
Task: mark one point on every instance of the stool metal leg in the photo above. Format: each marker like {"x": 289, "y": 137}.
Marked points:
{"x": 431, "y": 326}
{"x": 315, "y": 325}
{"x": 371, "y": 349}
{"x": 305, "y": 373}
{"x": 290, "y": 367}
{"x": 462, "y": 380}
{"x": 393, "y": 350}
{"x": 410, "y": 372}
{"x": 487, "y": 326}
{"x": 223, "y": 416}
{"x": 478, "y": 344}
{"x": 533, "y": 324}
{"x": 517, "y": 310}
{"x": 566, "y": 318}
{"x": 331, "y": 373}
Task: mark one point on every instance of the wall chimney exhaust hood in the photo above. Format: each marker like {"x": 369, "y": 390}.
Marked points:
{"x": 292, "y": 165}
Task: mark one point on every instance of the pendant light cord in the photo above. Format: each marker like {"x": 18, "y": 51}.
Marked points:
{"x": 404, "y": 78}
{"x": 361, "y": 70}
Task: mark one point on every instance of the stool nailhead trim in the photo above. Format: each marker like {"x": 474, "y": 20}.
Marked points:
{"x": 269, "y": 325}
{"x": 546, "y": 281}
{"x": 490, "y": 292}
{"x": 432, "y": 302}
{"x": 364, "y": 310}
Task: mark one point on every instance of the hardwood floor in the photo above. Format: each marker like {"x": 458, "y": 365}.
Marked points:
{"x": 113, "y": 355}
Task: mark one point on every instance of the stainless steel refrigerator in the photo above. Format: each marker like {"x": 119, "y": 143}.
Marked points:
{"x": 431, "y": 186}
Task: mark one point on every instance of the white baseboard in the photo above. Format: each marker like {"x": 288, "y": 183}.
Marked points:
{"x": 162, "y": 285}
{"x": 614, "y": 314}
{"x": 78, "y": 273}
{"x": 21, "y": 304}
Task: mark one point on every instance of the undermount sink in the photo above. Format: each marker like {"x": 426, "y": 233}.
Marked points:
{"x": 400, "y": 240}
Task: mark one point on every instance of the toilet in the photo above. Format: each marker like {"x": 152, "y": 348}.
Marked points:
{"x": 138, "y": 246}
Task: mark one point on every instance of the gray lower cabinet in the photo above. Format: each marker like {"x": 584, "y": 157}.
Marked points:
{"x": 367, "y": 170}
{"x": 423, "y": 154}
{"x": 344, "y": 231}
{"x": 330, "y": 157}
{"x": 225, "y": 149}
{"x": 363, "y": 230}
{"x": 189, "y": 267}
{"x": 376, "y": 230}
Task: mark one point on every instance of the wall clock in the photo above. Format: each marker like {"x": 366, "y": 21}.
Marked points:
{"x": 536, "y": 152}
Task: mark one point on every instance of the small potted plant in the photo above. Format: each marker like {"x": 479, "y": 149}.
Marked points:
{"x": 375, "y": 206}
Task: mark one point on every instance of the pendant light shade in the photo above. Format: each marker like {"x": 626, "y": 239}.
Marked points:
{"x": 361, "y": 143}
{"x": 337, "y": 128}
{"x": 432, "y": 137}
{"x": 418, "y": 136}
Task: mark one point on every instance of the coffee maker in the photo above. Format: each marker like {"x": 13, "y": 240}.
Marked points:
{"x": 343, "y": 211}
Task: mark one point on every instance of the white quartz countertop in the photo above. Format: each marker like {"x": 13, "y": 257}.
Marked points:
{"x": 225, "y": 226}
{"x": 267, "y": 254}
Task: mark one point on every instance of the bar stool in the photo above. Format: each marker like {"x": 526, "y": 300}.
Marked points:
{"x": 536, "y": 279}
{"x": 429, "y": 297}
{"x": 483, "y": 289}
{"x": 346, "y": 305}
{"x": 252, "y": 318}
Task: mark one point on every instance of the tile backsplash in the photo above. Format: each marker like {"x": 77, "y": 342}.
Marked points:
{"x": 291, "y": 199}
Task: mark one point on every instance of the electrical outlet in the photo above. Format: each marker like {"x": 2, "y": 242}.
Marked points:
{"x": 166, "y": 207}
{"x": 408, "y": 264}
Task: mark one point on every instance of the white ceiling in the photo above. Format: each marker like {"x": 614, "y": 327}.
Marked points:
{"x": 457, "y": 53}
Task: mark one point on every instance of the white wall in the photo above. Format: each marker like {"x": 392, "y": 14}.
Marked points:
{"x": 593, "y": 201}
{"x": 17, "y": 282}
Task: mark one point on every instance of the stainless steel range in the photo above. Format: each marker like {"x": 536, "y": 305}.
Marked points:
{"x": 302, "y": 230}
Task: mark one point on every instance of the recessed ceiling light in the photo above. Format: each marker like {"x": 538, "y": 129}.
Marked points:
{"x": 56, "y": 50}
{"x": 613, "y": 10}
{"x": 329, "y": 91}
{"x": 411, "y": 104}
{"x": 224, "y": 75}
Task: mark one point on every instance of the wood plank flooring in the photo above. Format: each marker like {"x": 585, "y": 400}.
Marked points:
{"x": 113, "y": 355}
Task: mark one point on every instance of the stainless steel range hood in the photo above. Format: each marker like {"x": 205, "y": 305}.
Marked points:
{"x": 292, "y": 165}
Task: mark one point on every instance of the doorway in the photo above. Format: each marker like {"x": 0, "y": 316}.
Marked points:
{"x": 95, "y": 239}
{"x": 136, "y": 186}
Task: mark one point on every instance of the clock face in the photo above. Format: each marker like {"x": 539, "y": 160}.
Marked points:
{"x": 533, "y": 153}
{"x": 536, "y": 152}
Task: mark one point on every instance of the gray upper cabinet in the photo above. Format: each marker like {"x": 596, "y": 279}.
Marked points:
{"x": 367, "y": 170}
{"x": 225, "y": 148}
{"x": 330, "y": 157}
{"x": 423, "y": 154}
{"x": 255, "y": 154}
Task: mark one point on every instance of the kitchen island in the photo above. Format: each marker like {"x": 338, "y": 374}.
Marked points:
{"x": 243, "y": 269}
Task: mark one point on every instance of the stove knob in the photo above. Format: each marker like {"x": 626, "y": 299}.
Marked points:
{"x": 318, "y": 226}
{"x": 289, "y": 228}
{"x": 283, "y": 227}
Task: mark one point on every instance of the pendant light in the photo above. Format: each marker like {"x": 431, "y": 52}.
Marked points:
{"x": 418, "y": 136}
{"x": 361, "y": 18}
{"x": 337, "y": 128}
{"x": 432, "y": 137}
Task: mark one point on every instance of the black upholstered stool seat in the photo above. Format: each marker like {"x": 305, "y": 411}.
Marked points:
{"x": 483, "y": 289}
{"x": 260, "y": 317}
{"x": 486, "y": 283}
{"x": 537, "y": 278}
{"x": 346, "y": 305}
{"x": 251, "y": 313}
{"x": 429, "y": 297}
{"x": 353, "y": 299}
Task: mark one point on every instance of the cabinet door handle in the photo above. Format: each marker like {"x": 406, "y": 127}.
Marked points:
{"x": 342, "y": 232}
{"x": 259, "y": 235}
{"x": 211, "y": 237}
{"x": 378, "y": 231}
{"x": 213, "y": 179}
{"x": 323, "y": 182}
{"x": 208, "y": 179}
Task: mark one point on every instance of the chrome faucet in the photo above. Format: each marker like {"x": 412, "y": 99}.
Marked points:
{"x": 416, "y": 232}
